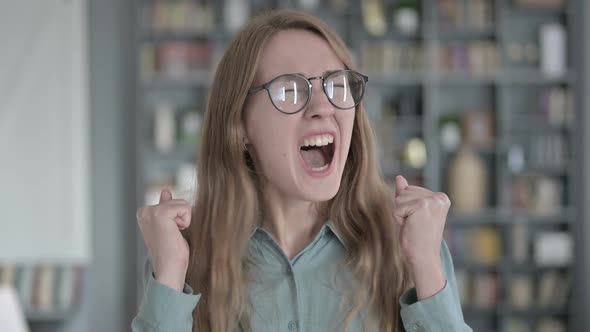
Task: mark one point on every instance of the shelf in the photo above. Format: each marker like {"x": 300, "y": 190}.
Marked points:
{"x": 513, "y": 92}
{"x": 538, "y": 126}
{"x": 540, "y": 11}
{"x": 529, "y": 268}
{"x": 466, "y": 35}
{"x": 533, "y": 77}
{"x": 196, "y": 80}
{"x": 182, "y": 152}
{"x": 405, "y": 171}
{"x": 401, "y": 78}
{"x": 534, "y": 312}
{"x": 489, "y": 216}
{"x": 48, "y": 316}
{"x": 475, "y": 267}
{"x": 563, "y": 216}
{"x": 493, "y": 150}
{"x": 159, "y": 37}
{"x": 514, "y": 77}
{"x": 473, "y": 311}
{"x": 459, "y": 78}
{"x": 408, "y": 123}
{"x": 542, "y": 171}
{"x": 493, "y": 216}
{"x": 507, "y": 310}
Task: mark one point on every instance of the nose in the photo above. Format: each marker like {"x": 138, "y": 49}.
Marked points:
{"x": 319, "y": 106}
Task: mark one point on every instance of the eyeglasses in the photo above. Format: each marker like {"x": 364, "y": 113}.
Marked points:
{"x": 290, "y": 93}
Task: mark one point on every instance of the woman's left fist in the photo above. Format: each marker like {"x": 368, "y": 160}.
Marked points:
{"x": 422, "y": 215}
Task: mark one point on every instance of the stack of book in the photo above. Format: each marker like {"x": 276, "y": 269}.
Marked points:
{"x": 460, "y": 15}
{"x": 176, "y": 59}
{"x": 178, "y": 17}
{"x": 469, "y": 58}
{"x": 388, "y": 57}
{"x": 45, "y": 288}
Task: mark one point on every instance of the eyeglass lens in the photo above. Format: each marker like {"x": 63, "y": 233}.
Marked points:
{"x": 290, "y": 93}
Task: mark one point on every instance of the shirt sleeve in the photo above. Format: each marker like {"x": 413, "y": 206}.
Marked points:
{"x": 163, "y": 308}
{"x": 440, "y": 312}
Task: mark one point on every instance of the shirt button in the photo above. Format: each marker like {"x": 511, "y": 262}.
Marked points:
{"x": 292, "y": 325}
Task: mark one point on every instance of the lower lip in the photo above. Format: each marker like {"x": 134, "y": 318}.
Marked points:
{"x": 319, "y": 174}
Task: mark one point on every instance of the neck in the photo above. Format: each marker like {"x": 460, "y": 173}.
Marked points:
{"x": 293, "y": 223}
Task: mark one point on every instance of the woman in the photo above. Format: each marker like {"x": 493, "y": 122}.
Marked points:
{"x": 293, "y": 226}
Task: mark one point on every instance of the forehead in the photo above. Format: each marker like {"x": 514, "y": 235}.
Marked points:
{"x": 296, "y": 51}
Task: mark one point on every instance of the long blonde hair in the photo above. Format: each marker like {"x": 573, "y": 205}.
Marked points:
{"x": 228, "y": 205}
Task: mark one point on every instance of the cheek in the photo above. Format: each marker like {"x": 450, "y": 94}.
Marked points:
{"x": 346, "y": 123}
{"x": 268, "y": 135}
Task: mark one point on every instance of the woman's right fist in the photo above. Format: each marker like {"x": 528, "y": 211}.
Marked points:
{"x": 160, "y": 227}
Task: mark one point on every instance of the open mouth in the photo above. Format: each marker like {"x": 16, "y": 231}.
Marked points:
{"x": 318, "y": 151}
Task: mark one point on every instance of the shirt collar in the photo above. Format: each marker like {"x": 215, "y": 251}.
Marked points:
{"x": 328, "y": 226}
{"x": 332, "y": 227}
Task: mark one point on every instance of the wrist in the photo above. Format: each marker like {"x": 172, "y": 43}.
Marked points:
{"x": 171, "y": 280}
{"x": 429, "y": 277}
{"x": 425, "y": 263}
{"x": 171, "y": 274}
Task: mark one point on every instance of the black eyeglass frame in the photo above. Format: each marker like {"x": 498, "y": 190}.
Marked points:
{"x": 266, "y": 86}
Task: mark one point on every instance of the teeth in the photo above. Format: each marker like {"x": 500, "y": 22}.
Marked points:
{"x": 319, "y": 140}
{"x": 319, "y": 169}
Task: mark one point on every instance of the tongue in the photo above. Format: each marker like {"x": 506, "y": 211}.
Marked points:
{"x": 313, "y": 157}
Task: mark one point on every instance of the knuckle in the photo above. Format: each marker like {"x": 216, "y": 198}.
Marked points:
{"x": 442, "y": 197}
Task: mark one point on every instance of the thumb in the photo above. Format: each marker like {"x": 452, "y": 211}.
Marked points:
{"x": 400, "y": 184}
{"x": 165, "y": 196}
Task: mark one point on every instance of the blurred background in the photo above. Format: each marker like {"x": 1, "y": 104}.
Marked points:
{"x": 101, "y": 103}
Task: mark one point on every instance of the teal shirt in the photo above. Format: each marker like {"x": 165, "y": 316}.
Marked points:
{"x": 301, "y": 294}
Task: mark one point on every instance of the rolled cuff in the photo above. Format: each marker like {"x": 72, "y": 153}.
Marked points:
{"x": 166, "y": 308}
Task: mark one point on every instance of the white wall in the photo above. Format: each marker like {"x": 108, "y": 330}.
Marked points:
{"x": 44, "y": 132}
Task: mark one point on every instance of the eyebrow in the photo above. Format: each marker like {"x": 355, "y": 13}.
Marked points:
{"x": 324, "y": 74}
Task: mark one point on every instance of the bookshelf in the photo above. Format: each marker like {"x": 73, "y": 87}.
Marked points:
{"x": 462, "y": 83}
{"x": 48, "y": 292}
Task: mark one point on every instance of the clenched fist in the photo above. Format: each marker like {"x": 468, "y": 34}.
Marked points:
{"x": 422, "y": 215}
{"x": 160, "y": 226}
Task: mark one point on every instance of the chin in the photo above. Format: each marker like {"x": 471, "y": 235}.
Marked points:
{"x": 321, "y": 193}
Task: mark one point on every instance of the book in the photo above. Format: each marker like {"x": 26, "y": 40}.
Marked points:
{"x": 550, "y": 325}
{"x": 8, "y": 275}
{"x": 485, "y": 246}
{"x": 521, "y": 292}
{"x": 45, "y": 290}
{"x": 65, "y": 288}
{"x": 554, "y": 289}
{"x": 25, "y": 285}
{"x": 485, "y": 290}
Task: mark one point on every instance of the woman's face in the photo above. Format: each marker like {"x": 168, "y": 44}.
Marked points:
{"x": 277, "y": 140}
